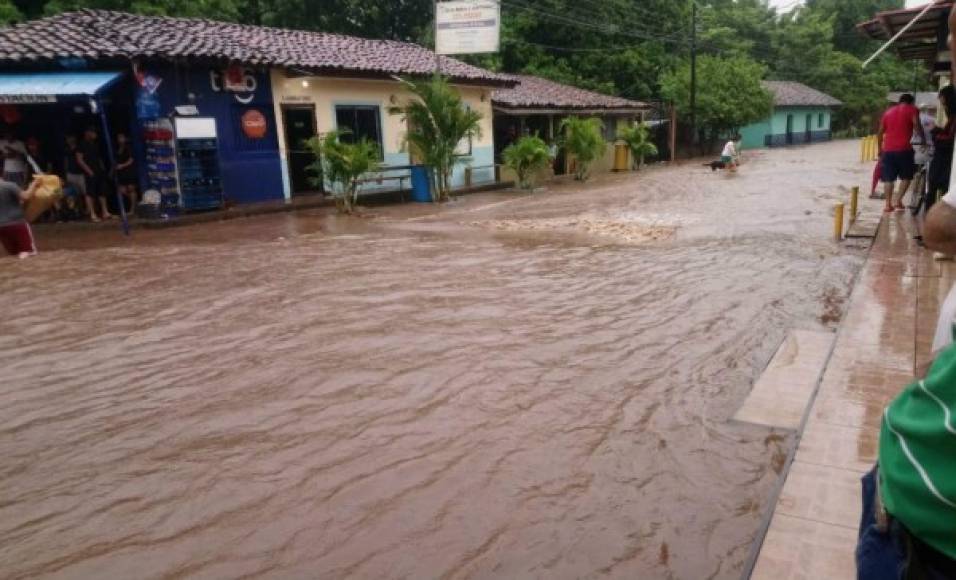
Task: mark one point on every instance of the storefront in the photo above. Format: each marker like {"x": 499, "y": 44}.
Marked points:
{"x": 313, "y": 105}
{"x": 42, "y": 109}
{"x": 236, "y": 101}
{"x": 197, "y": 98}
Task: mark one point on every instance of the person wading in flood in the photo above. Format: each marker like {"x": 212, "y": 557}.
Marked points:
{"x": 15, "y": 233}
{"x": 897, "y": 157}
{"x": 730, "y": 156}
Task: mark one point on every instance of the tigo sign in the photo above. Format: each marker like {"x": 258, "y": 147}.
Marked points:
{"x": 467, "y": 26}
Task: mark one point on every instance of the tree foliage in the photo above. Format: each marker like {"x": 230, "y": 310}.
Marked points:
{"x": 526, "y": 157}
{"x": 638, "y": 140}
{"x": 9, "y": 13}
{"x": 729, "y": 94}
{"x": 437, "y": 122}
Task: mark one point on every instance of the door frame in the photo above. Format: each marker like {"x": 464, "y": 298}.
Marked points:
{"x": 283, "y": 109}
{"x": 809, "y": 127}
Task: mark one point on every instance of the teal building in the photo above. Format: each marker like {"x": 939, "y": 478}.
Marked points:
{"x": 800, "y": 115}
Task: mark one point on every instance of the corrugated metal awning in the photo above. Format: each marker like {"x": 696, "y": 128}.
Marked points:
{"x": 52, "y": 87}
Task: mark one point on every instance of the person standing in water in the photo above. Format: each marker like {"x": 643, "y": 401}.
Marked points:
{"x": 15, "y": 233}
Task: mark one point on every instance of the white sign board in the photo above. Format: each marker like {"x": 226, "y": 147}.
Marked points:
{"x": 195, "y": 128}
{"x": 467, "y": 26}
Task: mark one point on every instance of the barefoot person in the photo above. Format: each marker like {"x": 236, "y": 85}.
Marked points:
{"x": 125, "y": 171}
{"x": 90, "y": 160}
{"x": 15, "y": 233}
{"x": 897, "y": 158}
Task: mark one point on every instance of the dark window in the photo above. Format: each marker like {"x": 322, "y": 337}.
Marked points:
{"x": 820, "y": 121}
{"x": 359, "y": 122}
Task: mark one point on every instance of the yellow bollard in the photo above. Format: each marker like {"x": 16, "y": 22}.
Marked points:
{"x": 854, "y": 203}
{"x": 838, "y": 221}
{"x": 863, "y": 150}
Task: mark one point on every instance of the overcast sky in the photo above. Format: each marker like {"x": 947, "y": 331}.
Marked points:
{"x": 787, "y": 4}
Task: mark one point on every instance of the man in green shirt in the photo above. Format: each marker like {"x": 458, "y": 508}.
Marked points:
{"x": 909, "y": 520}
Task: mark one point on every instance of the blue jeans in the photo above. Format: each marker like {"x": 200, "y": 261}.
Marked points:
{"x": 880, "y": 555}
{"x": 893, "y": 554}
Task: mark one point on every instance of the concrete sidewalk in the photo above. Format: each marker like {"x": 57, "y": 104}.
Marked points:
{"x": 885, "y": 337}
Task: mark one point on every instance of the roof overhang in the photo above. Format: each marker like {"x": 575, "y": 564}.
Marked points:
{"x": 923, "y": 41}
{"x": 530, "y": 111}
{"x": 53, "y": 87}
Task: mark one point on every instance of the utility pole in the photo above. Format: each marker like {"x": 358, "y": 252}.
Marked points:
{"x": 693, "y": 72}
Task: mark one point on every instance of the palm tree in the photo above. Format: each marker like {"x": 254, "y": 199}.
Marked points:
{"x": 526, "y": 157}
{"x": 583, "y": 139}
{"x": 638, "y": 141}
{"x": 437, "y": 121}
{"x": 342, "y": 164}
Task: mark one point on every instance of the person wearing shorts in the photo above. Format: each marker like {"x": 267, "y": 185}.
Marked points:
{"x": 90, "y": 160}
{"x": 15, "y": 233}
{"x": 729, "y": 155}
{"x": 897, "y": 157}
{"x": 126, "y": 178}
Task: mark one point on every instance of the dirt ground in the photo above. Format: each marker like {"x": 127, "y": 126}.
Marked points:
{"x": 505, "y": 386}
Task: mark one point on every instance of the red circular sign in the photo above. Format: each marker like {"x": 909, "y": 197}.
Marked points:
{"x": 254, "y": 124}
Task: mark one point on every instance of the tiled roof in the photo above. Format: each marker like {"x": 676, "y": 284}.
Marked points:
{"x": 104, "y": 34}
{"x": 536, "y": 92}
{"x": 793, "y": 94}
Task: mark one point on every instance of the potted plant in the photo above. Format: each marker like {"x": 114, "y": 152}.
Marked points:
{"x": 342, "y": 165}
{"x": 526, "y": 157}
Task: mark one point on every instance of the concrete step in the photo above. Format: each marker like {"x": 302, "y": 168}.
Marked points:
{"x": 781, "y": 394}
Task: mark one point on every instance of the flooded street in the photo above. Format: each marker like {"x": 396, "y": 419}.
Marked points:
{"x": 507, "y": 386}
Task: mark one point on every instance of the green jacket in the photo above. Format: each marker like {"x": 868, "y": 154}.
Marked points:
{"x": 918, "y": 456}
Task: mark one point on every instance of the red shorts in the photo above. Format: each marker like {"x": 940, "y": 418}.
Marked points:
{"x": 17, "y": 238}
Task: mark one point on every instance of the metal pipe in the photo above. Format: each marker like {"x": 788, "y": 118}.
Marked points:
{"x": 896, "y": 36}
{"x": 838, "y": 221}
{"x": 854, "y": 203}
{"x": 111, "y": 157}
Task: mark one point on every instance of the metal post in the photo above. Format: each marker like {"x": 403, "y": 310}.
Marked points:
{"x": 111, "y": 157}
{"x": 838, "y": 221}
{"x": 854, "y": 203}
{"x": 693, "y": 72}
{"x": 673, "y": 135}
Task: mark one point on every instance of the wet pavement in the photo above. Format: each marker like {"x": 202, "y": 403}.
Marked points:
{"x": 884, "y": 341}
{"x": 507, "y": 386}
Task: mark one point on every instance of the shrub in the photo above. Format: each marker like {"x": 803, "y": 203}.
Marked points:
{"x": 526, "y": 157}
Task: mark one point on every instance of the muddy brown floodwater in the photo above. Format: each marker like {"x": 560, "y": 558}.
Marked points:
{"x": 503, "y": 387}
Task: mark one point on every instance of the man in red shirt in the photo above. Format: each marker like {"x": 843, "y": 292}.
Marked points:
{"x": 897, "y": 158}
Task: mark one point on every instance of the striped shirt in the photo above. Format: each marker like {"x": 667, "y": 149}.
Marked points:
{"x": 918, "y": 456}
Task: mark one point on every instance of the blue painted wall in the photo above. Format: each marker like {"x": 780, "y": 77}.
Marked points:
{"x": 772, "y": 132}
{"x": 251, "y": 170}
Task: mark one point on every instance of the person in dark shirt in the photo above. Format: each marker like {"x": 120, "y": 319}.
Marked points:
{"x": 90, "y": 160}
{"x": 126, "y": 177}
{"x": 15, "y": 233}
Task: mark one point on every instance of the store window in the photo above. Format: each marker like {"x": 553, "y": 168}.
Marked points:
{"x": 464, "y": 147}
{"x": 360, "y": 122}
